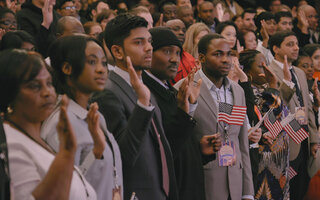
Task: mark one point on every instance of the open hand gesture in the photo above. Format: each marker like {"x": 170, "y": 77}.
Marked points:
{"x": 238, "y": 71}
{"x": 194, "y": 87}
{"x": 65, "y": 132}
{"x": 98, "y": 137}
{"x": 47, "y": 13}
{"x": 141, "y": 90}
{"x": 270, "y": 76}
{"x": 286, "y": 70}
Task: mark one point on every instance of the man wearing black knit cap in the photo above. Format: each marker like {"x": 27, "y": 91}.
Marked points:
{"x": 176, "y": 109}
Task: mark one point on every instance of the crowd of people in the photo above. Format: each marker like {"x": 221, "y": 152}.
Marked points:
{"x": 161, "y": 100}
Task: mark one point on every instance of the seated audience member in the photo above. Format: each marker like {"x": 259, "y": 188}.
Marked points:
{"x": 17, "y": 40}
{"x": 283, "y": 21}
{"x": 214, "y": 52}
{"x": 41, "y": 25}
{"x": 144, "y": 13}
{"x": 284, "y": 44}
{"x": 169, "y": 10}
{"x": 66, "y": 8}
{"x": 274, "y": 6}
{"x": 8, "y": 21}
{"x": 248, "y": 40}
{"x": 36, "y": 171}
{"x": 96, "y": 8}
{"x": 228, "y": 30}
{"x": 313, "y": 50}
{"x": 93, "y": 29}
{"x": 248, "y": 23}
{"x": 68, "y": 25}
{"x": 187, "y": 62}
{"x": 176, "y": 114}
{"x": 121, "y": 6}
{"x": 105, "y": 16}
{"x": 206, "y": 15}
{"x": 79, "y": 70}
{"x": 307, "y": 26}
{"x": 185, "y": 14}
{"x": 5, "y": 191}
{"x": 194, "y": 33}
{"x": 133, "y": 116}
{"x": 182, "y": 3}
{"x": 304, "y": 62}
{"x": 238, "y": 21}
{"x": 266, "y": 27}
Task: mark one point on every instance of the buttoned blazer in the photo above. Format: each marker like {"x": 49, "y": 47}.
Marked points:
{"x": 285, "y": 93}
{"x": 131, "y": 126}
{"x": 236, "y": 180}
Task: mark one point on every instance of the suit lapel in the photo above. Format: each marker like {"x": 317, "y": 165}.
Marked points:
{"x": 125, "y": 87}
{"x": 206, "y": 97}
{"x": 279, "y": 73}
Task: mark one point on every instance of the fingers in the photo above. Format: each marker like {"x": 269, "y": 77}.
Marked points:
{"x": 132, "y": 72}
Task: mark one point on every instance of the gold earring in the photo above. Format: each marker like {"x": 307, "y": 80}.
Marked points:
{"x": 9, "y": 110}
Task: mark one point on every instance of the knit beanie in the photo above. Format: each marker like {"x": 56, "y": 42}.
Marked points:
{"x": 162, "y": 36}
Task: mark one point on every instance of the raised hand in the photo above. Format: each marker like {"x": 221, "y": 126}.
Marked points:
{"x": 303, "y": 23}
{"x": 238, "y": 71}
{"x": 47, "y": 13}
{"x": 141, "y": 90}
{"x": 270, "y": 76}
{"x": 210, "y": 144}
{"x": 66, "y": 135}
{"x": 183, "y": 96}
{"x": 264, "y": 34}
{"x": 286, "y": 69}
{"x": 12, "y": 5}
{"x": 255, "y": 136}
{"x": 98, "y": 137}
{"x": 194, "y": 87}
{"x": 160, "y": 22}
{"x": 239, "y": 47}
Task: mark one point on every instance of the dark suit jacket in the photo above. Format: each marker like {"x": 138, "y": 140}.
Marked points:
{"x": 178, "y": 127}
{"x": 131, "y": 126}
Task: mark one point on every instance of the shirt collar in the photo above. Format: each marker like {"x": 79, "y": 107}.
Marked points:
{"x": 210, "y": 85}
{"x": 123, "y": 74}
{"x": 280, "y": 64}
{"x": 156, "y": 79}
{"x": 77, "y": 110}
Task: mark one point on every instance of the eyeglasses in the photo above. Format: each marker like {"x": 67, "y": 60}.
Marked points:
{"x": 69, "y": 8}
{"x": 8, "y": 23}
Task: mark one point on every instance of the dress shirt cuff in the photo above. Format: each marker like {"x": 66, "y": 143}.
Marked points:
{"x": 290, "y": 84}
{"x": 192, "y": 108}
{"x": 148, "y": 108}
{"x": 254, "y": 145}
{"x": 86, "y": 164}
{"x": 247, "y": 197}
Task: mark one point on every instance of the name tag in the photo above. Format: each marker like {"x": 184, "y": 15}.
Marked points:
{"x": 227, "y": 155}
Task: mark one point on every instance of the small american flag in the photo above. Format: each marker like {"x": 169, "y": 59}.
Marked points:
{"x": 295, "y": 131}
{"x": 291, "y": 173}
{"x": 273, "y": 125}
{"x": 231, "y": 114}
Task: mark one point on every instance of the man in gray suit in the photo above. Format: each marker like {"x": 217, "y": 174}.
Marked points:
{"x": 133, "y": 116}
{"x": 285, "y": 48}
{"x": 222, "y": 182}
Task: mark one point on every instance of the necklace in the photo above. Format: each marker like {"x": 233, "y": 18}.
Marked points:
{"x": 46, "y": 147}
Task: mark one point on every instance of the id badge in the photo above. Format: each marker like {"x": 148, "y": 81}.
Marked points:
{"x": 301, "y": 115}
{"x": 116, "y": 193}
{"x": 227, "y": 154}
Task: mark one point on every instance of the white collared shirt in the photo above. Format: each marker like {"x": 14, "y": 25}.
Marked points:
{"x": 218, "y": 94}
{"x": 288, "y": 83}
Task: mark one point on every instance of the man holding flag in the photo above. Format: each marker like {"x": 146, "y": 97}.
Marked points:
{"x": 222, "y": 110}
